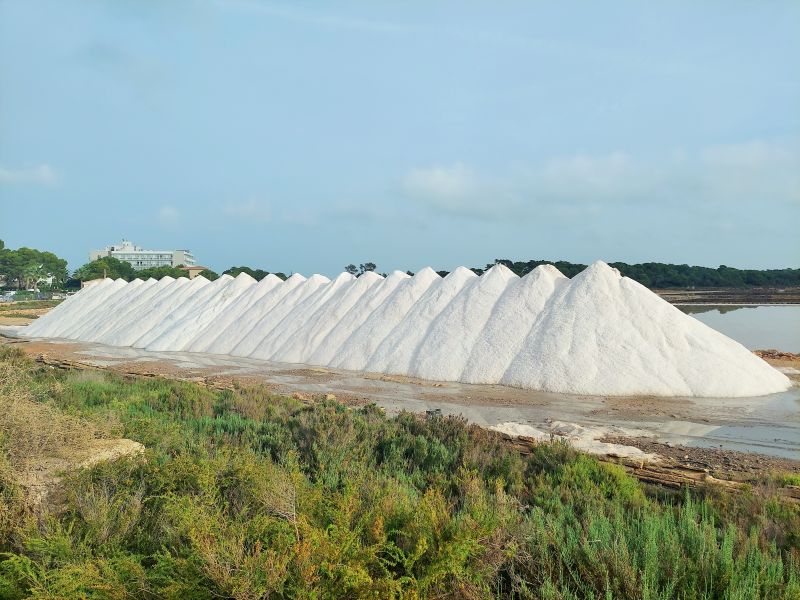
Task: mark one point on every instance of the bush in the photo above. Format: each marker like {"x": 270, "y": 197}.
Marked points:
{"x": 244, "y": 494}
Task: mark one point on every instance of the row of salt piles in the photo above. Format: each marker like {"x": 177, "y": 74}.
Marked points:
{"x": 598, "y": 333}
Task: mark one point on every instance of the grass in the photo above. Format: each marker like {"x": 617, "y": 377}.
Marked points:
{"x": 243, "y": 494}
{"x": 784, "y": 479}
{"x": 19, "y": 315}
{"x": 28, "y": 305}
{"x": 30, "y": 429}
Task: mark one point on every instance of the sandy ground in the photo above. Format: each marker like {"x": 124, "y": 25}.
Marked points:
{"x": 22, "y": 316}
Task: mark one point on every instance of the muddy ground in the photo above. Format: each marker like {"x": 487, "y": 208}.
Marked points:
{"x": 722, "y": 464}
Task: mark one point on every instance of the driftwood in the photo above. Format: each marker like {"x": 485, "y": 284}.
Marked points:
{"x": 666, "y": 473}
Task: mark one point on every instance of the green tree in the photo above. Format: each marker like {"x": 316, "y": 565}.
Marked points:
{"x": 26, "y": 267}
{"x": 361, "y": 269}
{"x": 209, "y": 274}
{"x": 160, "y": 272}
{"x": 107, "y": 266}
{"x": 664, "y": 275}
{"x": 257, "y": 274}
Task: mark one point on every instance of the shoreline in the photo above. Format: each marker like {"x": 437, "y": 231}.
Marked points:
{"x": 731, "y": 296}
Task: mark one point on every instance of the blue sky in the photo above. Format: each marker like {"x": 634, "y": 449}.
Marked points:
{"x": 303, "y": 136}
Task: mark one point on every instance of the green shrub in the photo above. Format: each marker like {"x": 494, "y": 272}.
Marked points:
{"x": 243, "y": 494}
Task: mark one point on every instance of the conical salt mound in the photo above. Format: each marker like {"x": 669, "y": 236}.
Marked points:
{"x": 443, "y": 356}
{"x": 105, "y": 331}
{"x": 62, "y": 315}
{"x": 269, "y": 348}
{"x": 127, "y": 329}
{"x": 509, "y": 322}
{"x": 607, "y": 334}
{"x": 209, "y": 306}
{"x": 254, "y": 317}
{"x": 355, "y": 352}
{"x": 204, "y": 337}
{"x": 598, "y": 333}
{"x": 397, "y": 353}
{"x": 369, "y": 302}
{"x": 312, "y": 329}
{"x": 260, "y": 335}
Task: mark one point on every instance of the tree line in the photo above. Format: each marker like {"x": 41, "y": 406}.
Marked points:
{"x": 108, "y": 266}
{"x": 24, "y": 268}
{"x": 652, "y": 274}
{"x": 664, "y": 275}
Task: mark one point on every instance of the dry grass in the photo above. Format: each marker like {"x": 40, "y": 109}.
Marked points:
{"x": 31, "y": 429}
{"x": 38, "y": 305}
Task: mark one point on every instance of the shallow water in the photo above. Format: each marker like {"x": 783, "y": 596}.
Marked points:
{"x": 756, "y": 327}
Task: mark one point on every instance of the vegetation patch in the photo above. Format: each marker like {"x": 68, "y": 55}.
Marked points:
{"x": 28, "y": 305}
{"x": 243, "y": 494}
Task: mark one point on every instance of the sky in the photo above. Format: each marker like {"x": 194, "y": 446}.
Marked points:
{"x": 304, "y": 136}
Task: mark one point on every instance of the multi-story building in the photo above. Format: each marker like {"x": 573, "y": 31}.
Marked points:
{"x": 144, "y": 259}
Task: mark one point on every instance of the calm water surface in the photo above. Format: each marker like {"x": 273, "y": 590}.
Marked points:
{"x": 756, "y": 327}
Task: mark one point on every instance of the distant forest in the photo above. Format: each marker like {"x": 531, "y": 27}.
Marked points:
{"x": 652, "y": 275}
{"x": 661, "y": 275}
{"x": 27, "y": 267}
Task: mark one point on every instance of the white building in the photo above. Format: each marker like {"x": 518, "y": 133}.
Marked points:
{"x": 144, "y": 259}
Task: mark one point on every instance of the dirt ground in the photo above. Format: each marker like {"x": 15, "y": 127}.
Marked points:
{"x": 22, "y": 316}
{"x": 782, "y": 360}
{"x": 722, "y": 464}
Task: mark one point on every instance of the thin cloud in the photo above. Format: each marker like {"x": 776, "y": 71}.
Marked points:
{"x": 448, "y": 182}
{"x": 253, "y": 211}
{"x": 39, "y": 175}
{"x": 301, "y": 217}
{"x": 318, "y": 19}
{"x": 759, "y": 171}
{"x": 168, "y": 215}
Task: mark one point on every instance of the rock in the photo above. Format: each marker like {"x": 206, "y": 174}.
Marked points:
{"x": 41, "y": 479}
{"x": 104, "y": 450}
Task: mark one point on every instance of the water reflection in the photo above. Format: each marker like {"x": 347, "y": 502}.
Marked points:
{"x": 756, "y": 327}
{"x": 696, "y": 309}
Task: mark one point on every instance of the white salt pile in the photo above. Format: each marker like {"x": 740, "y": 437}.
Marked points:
{"x": 598, "y": 333}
